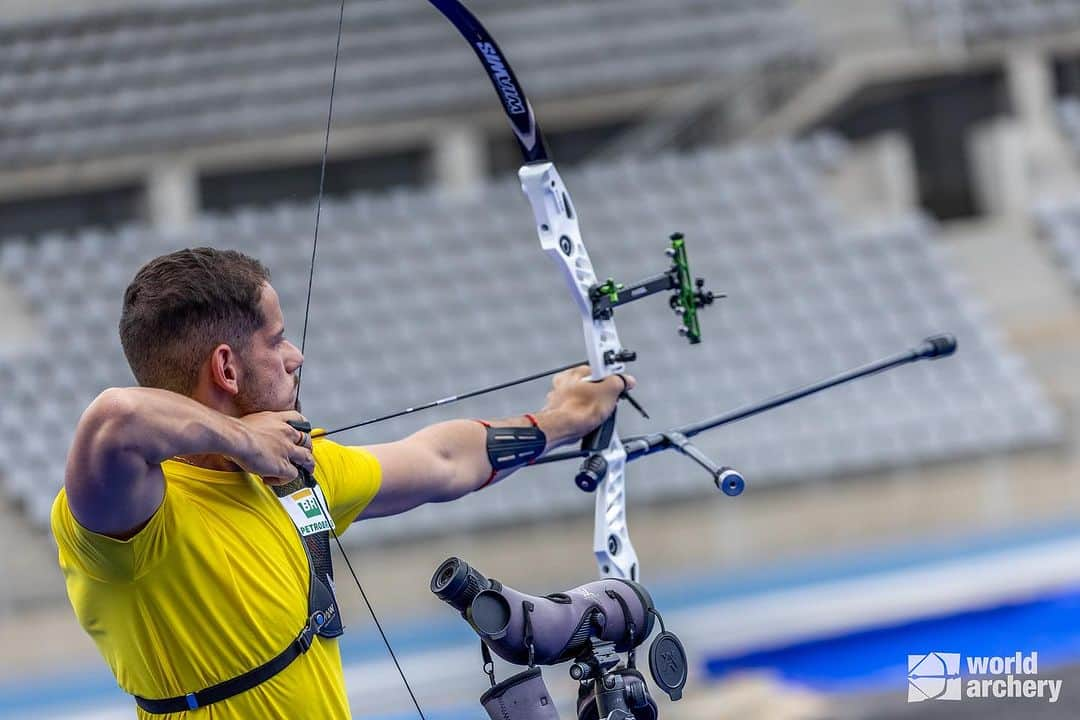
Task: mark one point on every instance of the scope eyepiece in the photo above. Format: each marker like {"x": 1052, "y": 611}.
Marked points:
{"x": 456, "y": 584}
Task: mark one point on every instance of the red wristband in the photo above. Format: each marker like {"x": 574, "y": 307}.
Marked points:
{"x": 494, "y": 472}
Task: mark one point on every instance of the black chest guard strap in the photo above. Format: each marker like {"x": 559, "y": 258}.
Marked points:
{"x": 321, "y": 596}
{"x": 323, "y": 619}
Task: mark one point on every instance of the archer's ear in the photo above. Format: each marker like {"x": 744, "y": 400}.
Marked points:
{"x": 225, "y": 369}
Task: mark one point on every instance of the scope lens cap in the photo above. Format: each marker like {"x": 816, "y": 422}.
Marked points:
{"x": 667, "y": 664}
{"x": 490, "y": 615}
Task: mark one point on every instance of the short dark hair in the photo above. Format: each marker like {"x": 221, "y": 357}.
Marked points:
{"x": 181, "y": 306}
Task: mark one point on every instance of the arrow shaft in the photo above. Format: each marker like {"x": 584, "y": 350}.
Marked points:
{"x": 451, "y": 399}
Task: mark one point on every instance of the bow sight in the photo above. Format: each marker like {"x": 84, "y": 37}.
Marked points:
{"x": 686, "y": 299}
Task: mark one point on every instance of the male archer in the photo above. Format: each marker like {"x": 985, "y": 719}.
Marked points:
{"x": 194, "y": 578}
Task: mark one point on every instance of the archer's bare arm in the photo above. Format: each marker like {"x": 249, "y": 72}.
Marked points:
{"x": 113, "y": 477}
{"x": 449, "y": 460}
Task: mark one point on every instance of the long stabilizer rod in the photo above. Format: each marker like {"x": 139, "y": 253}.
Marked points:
{"x": 932, "y": 348}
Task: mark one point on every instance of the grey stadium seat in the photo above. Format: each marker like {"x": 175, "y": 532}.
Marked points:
{"x": 418, "y": 296}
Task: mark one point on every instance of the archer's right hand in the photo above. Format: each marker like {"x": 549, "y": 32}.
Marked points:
{"x": 274, "y": 447}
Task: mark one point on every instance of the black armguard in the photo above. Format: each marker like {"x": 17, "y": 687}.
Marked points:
{"x": 509, "y": 447}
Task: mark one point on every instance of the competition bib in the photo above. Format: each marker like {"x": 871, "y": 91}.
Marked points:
{"x": 307, "y": 510}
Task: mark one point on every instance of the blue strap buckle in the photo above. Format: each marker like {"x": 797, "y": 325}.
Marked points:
{"x": 192, "y": 702}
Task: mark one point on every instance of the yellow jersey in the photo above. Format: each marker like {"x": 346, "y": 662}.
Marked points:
{"x": 214, "y": 585}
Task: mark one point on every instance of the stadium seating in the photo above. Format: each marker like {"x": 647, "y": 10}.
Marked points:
{"x": 1059, "y": 223}
{"x": 175, "y": 74}
{"x": 418, "y": 296}
{"x": 977, "y": 21}
{"x": 1068, "y": 114}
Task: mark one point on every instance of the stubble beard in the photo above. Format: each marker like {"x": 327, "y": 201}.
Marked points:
{"x": 253, "y": 399}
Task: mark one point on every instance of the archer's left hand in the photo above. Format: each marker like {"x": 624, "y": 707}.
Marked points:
{"x": 581, "y": 405}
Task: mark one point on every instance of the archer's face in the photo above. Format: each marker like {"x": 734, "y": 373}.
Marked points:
{"x": 270, "y": 363}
